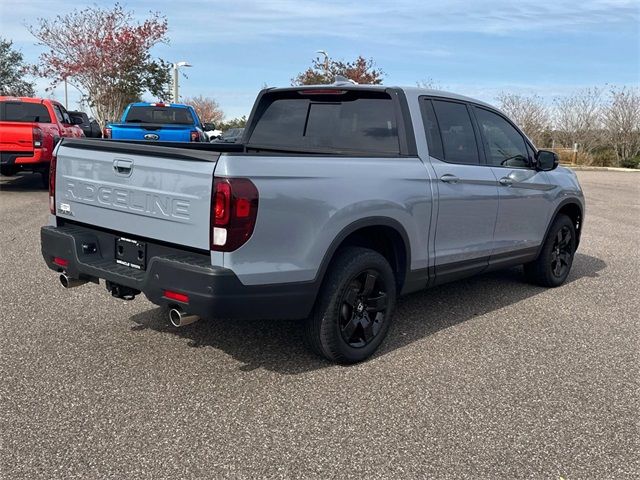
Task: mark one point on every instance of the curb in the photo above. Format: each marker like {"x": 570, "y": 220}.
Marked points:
{"x": 600, "y": 169}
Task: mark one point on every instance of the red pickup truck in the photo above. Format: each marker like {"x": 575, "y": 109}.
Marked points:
{"x": 29, "y": 130}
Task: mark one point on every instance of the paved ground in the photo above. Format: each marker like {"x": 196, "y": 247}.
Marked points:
{"x": 486, "y": 378}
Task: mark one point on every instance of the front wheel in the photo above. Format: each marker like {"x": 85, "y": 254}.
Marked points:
{"x": 553, "y": 265}
{"x": 354, "y": 308}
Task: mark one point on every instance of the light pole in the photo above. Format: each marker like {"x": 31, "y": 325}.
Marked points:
{"x": 326, "y": 61}
{"x": 176, "y": 66}
{"x": 66, "y": 95}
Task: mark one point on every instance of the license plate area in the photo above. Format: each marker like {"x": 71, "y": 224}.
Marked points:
{"x": 131, "y": 253}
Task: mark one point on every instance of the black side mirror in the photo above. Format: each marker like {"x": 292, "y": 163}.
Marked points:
{"x": 546, "y": 160}
{"x": 209, "y": 126}
{"x": 76, "y": 121}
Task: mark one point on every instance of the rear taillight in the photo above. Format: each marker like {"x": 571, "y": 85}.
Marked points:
{"x": 234, "y": 209}
{"x": 52, "y": 185}
{"x": 106, "y": 132}
{"x": 195, "y": 136}
{"x": 37, "y": 137}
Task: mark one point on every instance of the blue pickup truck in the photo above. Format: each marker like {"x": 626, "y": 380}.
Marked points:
{"x": 166, "y": 122}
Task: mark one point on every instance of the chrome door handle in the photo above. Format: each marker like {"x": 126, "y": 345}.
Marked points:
{"x": 506, "y": 181}
{"x": 448, "y": 178}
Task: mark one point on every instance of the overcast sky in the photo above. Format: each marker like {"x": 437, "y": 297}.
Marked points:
{"x": 478, "y": 48}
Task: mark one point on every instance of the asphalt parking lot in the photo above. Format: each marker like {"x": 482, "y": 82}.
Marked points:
{"x": 484, "y": 378}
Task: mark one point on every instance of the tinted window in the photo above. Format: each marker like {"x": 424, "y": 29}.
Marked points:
{"x": 24, "y": 112}
{"x": 456, "y": 130}
{"x": 170, "y": 115}
{"x": 434, "y": 141}
{"x": 65, "y": 115}
{"x": 360, "y": 121}
{"x": 504, "y": 145}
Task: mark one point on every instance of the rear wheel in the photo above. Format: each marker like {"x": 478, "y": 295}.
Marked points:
{"x": 553, "y": 265}
{"x": 44, "y": 178}
{"x": 354, "y": 308}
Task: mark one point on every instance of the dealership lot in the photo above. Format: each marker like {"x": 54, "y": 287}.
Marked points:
{"x": 484, "y": 378}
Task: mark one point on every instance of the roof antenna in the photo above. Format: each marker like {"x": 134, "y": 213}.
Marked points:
{"x": 341, "y": 80}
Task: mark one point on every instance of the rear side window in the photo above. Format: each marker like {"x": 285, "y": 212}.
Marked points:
{"x": 24, "y": 112}
{"x": 434, "y": 142}
{"x": 168, "y": 115}
{"x": 353, "y": 120}
{"x": 456, "y": 130}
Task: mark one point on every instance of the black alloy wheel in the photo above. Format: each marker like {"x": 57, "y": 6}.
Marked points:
{"x": 363, "y": 309}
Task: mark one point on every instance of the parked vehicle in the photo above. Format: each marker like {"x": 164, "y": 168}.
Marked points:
{"x": 166, "y": 122}
{"x": 232, "y": 135}
{"x": 341, "y": 198}
{"x": 29, "y": 131}
{"x": 211, "y": 132}
{"x": 90, "y": 127}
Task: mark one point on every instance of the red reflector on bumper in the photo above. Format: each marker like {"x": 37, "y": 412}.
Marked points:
{"x": 178, "y": 297}
{"x": 60, "y": 261}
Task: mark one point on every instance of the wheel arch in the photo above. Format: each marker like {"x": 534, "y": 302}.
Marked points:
{"x": 385, "y": 235}
{"x": 574, "y": 210}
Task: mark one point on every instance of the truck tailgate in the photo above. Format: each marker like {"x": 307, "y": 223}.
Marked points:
{"x": 162, "y": 193}
{"x": 16, "y": 136}
{"x": 151, "y": 132}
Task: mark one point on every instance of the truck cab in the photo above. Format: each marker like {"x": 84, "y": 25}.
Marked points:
{"x": 157, "y": 122}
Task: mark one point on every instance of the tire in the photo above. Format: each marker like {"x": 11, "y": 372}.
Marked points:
{"x": 553, "y": 265}
{"x": 44, "y": 178}
{"x": 354, "y": 308}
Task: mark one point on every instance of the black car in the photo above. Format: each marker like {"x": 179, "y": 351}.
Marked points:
{"x": 89, "y": 126}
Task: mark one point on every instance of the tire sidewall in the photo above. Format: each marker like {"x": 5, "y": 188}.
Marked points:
{"x": 561, "y": 222}
{"x": 364, "y": 260}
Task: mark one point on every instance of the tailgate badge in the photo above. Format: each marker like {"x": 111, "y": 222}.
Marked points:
{"x": 151, "y": 136}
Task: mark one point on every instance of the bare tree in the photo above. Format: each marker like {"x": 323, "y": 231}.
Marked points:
{"x": 621, "y": 118}
{"x": 579, "y": 119}
{"x": 207, "y": 108}
{"x": 430, "y": 83}
{"x": 529, "y": 113}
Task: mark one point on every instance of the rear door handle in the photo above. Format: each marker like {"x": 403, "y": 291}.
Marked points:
{"x": 506, "y": 181}
{"x": 448, "y": 178}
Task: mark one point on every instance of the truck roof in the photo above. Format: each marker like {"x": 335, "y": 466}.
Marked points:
{"x": 158, "y": 104}
{"x": 413, "y": 91}
{"x": 9, "y": 98}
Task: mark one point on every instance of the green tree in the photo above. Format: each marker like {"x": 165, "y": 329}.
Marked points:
{"x": 12, "y": 72}
{"x": 239, "y": 122}
{"x": 361, "y": 70}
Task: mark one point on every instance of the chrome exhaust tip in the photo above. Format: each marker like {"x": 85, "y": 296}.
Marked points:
{"x": 68, "y": 282}
{"x": 178, "y": 318}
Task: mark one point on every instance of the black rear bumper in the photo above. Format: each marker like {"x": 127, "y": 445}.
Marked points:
{"x": 213, "y": 291}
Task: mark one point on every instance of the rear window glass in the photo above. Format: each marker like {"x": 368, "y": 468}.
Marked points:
{"x": 171, "y": 115}
{"x": 357, "y": 121}
{"x": 24, "y": 112}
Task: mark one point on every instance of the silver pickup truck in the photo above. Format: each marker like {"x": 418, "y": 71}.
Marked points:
{"x": 338, "y": 199}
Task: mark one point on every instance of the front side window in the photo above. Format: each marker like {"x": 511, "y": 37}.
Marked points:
{"x": 458, "y": 138}
{"x": 504, "y": 146}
